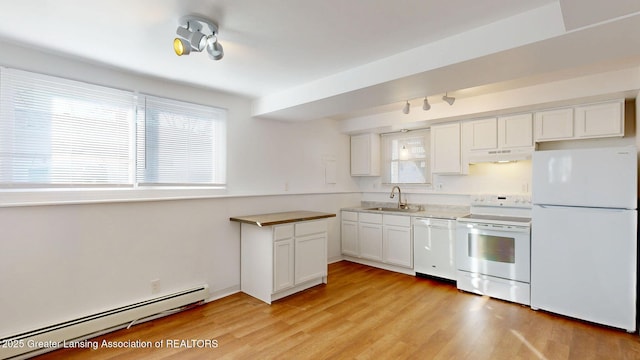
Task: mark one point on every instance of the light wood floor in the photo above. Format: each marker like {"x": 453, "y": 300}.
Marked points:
{"x": 367, "y": 313}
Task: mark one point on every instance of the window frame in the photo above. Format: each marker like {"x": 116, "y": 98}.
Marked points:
{"x": 75, "y": 113}
{"x": 154, "y": 104}
{"x": 388, "y": 151}
{"x": 27, "y": 193}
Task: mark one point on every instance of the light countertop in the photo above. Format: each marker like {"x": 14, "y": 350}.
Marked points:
{"x": 434, "y": 211}
{"x": 281, "y": 217}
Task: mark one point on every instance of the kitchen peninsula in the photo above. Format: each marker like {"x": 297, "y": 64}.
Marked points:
{"x": 282, "y": 253}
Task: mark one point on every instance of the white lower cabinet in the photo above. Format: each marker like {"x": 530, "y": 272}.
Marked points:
{"x": 283, "y": 264}
{"x": 310, "y": 257}
{"x": 396, "y": 239}
{"x": 349, "y": 231}
{"x": 280, "y": 260}
{"x": 370, "y": 236}
{"x": 370, "y": 241}
{"x": 380, "y": 240}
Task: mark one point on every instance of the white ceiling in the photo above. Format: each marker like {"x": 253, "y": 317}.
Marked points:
{"x": 305, "y": 59}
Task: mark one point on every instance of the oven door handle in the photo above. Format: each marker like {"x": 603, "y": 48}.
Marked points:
{"x": 479, "y": 226}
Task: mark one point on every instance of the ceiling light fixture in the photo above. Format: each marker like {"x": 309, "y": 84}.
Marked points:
{"x": 404, "y": 153}
{"x": 425, "y": 105}
{"x": 191, "y": 37}
{"x": 449, "y": 99}
{"x": 406, "y": 108}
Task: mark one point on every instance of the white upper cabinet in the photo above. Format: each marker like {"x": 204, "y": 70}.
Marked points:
{"x": 445, "y": 149}
{"x": 515, "y": 131}
{"x": 365, "y": 155}
{"x": 581, "y": 122}
{"x": 495, "y": 139}
{"x": 554, "y": 124}
{"x": 600, "y": 120}
{"x": 481, "y": 134}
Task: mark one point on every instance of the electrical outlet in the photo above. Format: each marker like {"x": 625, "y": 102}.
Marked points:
{"x": 155, "y": 286}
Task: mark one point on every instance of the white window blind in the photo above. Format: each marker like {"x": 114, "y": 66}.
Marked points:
{"x": 57, "y": 132}
{"x": 406, "y": 157}
{"x": 180, "y": 143}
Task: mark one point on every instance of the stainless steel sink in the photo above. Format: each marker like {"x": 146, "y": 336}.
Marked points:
{"x": 393, "y": 209}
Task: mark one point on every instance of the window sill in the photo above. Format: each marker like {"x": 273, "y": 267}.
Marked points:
{"x": 39, "y": 197}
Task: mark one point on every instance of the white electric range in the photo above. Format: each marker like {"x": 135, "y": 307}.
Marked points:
{"x": 493, "y": 247}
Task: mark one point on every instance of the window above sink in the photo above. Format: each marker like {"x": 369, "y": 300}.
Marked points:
{"x": 405, "y": 157}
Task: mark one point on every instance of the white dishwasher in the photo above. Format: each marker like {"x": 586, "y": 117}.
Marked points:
{"x": 434, "y": 247}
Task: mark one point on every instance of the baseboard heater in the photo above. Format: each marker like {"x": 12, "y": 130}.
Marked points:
{"x": 20, "y": 345}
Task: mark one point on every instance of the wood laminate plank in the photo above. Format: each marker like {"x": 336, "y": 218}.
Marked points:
{"x": 369, "y": 313}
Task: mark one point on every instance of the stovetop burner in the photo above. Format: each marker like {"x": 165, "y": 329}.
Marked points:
{"x": 500, "y": 209}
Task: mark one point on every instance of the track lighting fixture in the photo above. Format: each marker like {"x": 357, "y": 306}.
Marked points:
{"x": 449, "y": 99}
{"x": 425, "y": 105}
{"x": 191, "y": 38}
{"x": 406, "y": 108}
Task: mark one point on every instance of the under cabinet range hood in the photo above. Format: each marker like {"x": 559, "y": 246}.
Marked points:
{"x": 500, "y": 155}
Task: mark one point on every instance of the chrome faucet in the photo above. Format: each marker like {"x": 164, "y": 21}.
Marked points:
{"x": 401, "y": 205}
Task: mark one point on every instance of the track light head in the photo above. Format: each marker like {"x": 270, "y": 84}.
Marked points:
{"x": 449, "y": 99}
{"x": 181, "y": 47}
{"x": 191, "y": 37}
{"x": 425, "y": 105}
{"x": 214, "y": 48}
{"x": 406, "y": 108}
{"x": 198, "y": 40}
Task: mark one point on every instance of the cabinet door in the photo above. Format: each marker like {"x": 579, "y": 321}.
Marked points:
{"x": 311, "y": 257}
{"x": 515, "y": 131}
{"x": 370, "y": 241}
{"x": 600, "y": 120}
{"x": 365, "y": 155}
{"x": 398, "y": 249}
{"x": 483, "y": 134}
{"x": 350, "y": 238}
{"x": 283, "y": 264}
{"x": 445, "y": 149}
{"x": 553, "y": 125}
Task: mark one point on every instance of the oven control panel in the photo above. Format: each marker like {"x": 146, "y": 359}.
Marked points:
{"x": 493, "y": 200}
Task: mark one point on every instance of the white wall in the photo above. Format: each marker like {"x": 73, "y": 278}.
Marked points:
{"x": 63, "y": 261}
{"x": 485, "y": 178}
{"x": 509, "y": 178}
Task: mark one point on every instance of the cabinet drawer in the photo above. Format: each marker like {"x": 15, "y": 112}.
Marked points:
{"x": 370, "y": 218}
{"x": 397, "y": 220}
{"x": 311, "y": 227}
{"x": 283, "y": 232}
{"x": 349, "y": 216}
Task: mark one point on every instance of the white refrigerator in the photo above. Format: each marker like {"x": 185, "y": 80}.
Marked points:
{"x": 584, "y": 234}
